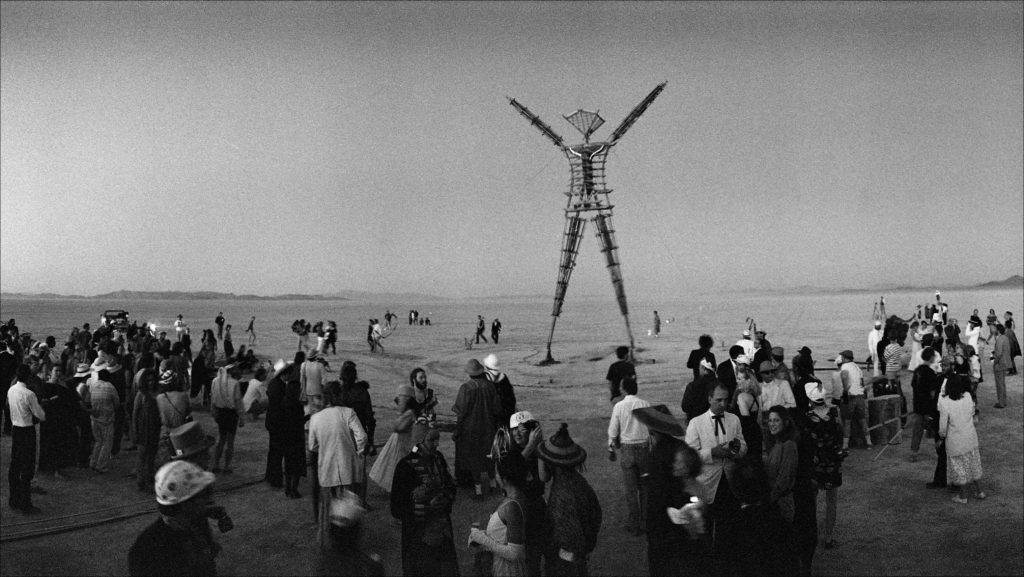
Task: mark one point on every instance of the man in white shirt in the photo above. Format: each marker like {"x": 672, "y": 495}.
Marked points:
{"x": 747, "y": 344}
{"x": 856, "y": 398}
{"x": 24, "y": 407}
{"x": 631, "y": 437}
{"x": 873, "y": 337}
{"x": 311, "y": 378}
{"x": 717, "y": 436}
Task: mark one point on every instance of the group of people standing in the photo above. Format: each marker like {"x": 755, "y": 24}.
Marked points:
{"x": 120, "y": 387}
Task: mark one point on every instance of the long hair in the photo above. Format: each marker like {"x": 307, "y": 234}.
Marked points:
{"x": 788, "y": 432}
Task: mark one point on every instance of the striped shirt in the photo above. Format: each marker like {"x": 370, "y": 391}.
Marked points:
{"x": 893, "y": 353}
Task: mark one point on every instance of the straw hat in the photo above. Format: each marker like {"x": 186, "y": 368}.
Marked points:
{"x": 659, "y": 418}
{"x": 82, "y": 370}
{"x": 560, "y": 449}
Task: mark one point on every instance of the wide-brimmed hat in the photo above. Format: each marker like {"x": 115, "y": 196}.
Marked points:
{"x": 767, "y": 367}
{"x": 474, "y": 368}
{"x": 659, "y": 418}
{"x": 177, "y": 482}
{"x": 82, "y": 370}
{"x": 190, "y": 439}
{"x": 814, "y": 391}
{"x": 560, "y": 449}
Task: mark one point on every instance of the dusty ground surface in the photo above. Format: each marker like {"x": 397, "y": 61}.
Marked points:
{"x": 889, "y": 523}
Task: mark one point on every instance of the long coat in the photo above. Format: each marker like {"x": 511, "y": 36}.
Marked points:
{"x": 421, "y": 498}
{"x": 478, "y": 415}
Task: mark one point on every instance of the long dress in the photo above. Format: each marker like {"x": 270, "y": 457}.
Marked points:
{"x": 397, "y": 447}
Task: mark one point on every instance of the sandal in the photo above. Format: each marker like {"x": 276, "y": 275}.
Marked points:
{"x": 980, "y": 495}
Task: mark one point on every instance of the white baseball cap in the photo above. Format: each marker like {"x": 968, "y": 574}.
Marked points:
{"x": 519, "y": 418}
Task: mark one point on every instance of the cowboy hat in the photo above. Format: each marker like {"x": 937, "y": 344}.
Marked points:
{"x": 189, "y": 439}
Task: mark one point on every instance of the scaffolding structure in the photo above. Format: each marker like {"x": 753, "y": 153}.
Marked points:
{"x": 588, "y": 199}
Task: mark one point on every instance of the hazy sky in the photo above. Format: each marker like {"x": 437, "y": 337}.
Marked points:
{"x": 287, "y": 147}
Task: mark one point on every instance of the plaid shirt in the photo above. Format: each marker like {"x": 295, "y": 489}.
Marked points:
{"x": 104, "y": 401}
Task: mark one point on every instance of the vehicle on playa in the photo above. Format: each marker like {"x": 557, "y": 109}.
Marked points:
{"x": 115, "y": 318}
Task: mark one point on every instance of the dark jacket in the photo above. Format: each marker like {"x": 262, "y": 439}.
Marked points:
{"x": 696, "y": 355}
{"x": 925, "y": 384}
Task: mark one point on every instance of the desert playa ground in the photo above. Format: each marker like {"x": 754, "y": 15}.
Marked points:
{"x": 889, "y": 523}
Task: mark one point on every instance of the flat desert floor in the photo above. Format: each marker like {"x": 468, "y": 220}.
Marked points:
{"x": 888, "y": 522}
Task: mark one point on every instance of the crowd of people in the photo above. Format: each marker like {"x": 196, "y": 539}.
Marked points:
{"x": 119, "y": 388}
{"x": 758, "y": 442}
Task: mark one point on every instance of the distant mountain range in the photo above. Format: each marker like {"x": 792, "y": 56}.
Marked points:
{"x": 211, "y": 295}
{"x": 1015, "y": 281}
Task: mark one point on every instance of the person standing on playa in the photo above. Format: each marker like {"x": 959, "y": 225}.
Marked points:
{"x": 657, "y": 324}
{"x": 619, "y": 370}
{"x": 1015, "y": 350}
{"x": 747, "y": 344}
{"x": 251, "y": 329}
{"x": 219, "y": 321}
{"x": 25, "y": 409}
{"x": 179, "y": 327}
{"x": 502, "y": 385}
{"x": 480, "y": 327}
{"x": 856, "y": 398}
{"x": 229, "y": 347}
{"x": 477, "y": 411}
{"x": 495, "y": 330}
{"x": 703, "y": 352}
{"x": 631, "y": 438}
{"x": 874, "y": 336}
{"x": 1002, "y": 360}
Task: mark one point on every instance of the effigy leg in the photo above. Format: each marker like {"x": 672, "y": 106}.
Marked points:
{"x": 608, "y": 247}
{"x": 571, "y": 237}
